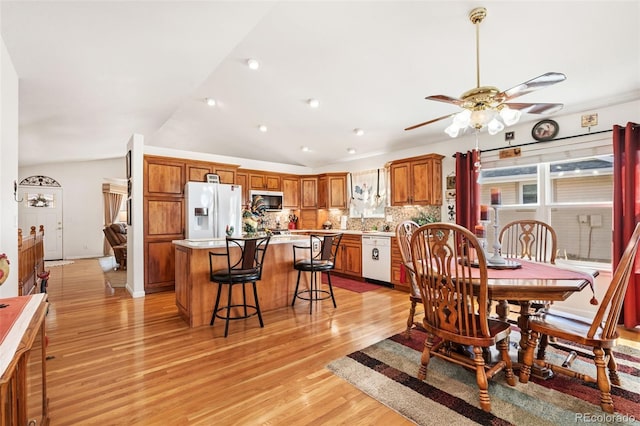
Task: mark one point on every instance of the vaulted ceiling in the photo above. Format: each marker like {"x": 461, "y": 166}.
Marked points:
{"x": 93, "y": 73}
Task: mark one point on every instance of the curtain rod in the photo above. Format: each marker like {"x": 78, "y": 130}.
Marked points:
{"x": 551, "y": 140}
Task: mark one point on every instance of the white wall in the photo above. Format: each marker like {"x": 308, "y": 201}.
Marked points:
{"x": 83, "y": 203}
{"x": 8, "y": 169}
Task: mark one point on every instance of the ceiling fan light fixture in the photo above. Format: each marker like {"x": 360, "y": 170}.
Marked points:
{"x": 510, "y": 116}
{"x": 453, "y": 130}
{"x": 495, "y": 126}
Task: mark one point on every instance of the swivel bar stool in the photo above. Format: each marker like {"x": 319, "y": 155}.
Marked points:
{"x": 244, "y": 258}
{"x": 320, "y": 256}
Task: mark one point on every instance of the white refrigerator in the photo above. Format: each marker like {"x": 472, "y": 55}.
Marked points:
{"x": 212, "y": 210}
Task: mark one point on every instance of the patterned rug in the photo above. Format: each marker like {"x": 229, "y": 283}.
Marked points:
{"x": 387, "y": 372}
{"x": 349, "y": 284}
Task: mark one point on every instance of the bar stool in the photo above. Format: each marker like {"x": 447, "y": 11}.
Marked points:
{"x": 244, "y": 265}
{"x": 320, "y": 256}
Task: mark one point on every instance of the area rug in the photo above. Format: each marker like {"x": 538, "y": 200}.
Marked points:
{"x": 349, "y": 284}
{"x": 53, "y": 263}
{"x": 387, "y": 372}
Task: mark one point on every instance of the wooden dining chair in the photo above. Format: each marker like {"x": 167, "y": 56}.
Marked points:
{"x": 530, "y": 240}
{"x": 599, "y": 332}
{"x": 455, "y": 315}
{"x": 404, "y": 231}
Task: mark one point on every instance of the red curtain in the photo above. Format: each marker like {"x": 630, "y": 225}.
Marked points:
{"x": 626, "y": 209}
{"x": 467, "y": 189}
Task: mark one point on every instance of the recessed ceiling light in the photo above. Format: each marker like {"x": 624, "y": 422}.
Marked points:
{"x": 304, "y": 149}
{"x": 351, "y": 150}
{"x": 253, "y": 64}
{"x": 358, "y": 132}
{"x": 262, "y": 128}
{"x": 211, "y": 102}
{"x": 313, "y": 103}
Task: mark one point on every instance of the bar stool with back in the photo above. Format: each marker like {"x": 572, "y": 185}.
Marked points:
{"x": 244, "y": 258}
{"x": 320, "y": 257}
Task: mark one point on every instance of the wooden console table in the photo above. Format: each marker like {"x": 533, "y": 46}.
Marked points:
{"x": 23, "y": 383}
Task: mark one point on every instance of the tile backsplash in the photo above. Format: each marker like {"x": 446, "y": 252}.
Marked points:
{"x": 397, "y": 214}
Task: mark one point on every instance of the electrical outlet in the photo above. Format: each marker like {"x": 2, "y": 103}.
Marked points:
{"x": 582, "y": 218}
{"x": 595, "y": 220}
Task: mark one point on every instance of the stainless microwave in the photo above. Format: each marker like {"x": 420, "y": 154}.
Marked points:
{"x": 272, "y": 199}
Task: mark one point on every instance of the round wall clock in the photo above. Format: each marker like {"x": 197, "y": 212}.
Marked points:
{"x": 545, "y": 130}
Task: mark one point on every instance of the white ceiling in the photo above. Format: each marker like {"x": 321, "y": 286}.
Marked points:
{"x": 93, "y": 73}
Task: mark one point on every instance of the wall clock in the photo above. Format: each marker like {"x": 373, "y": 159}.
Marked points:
{"x": 545, "y": 130}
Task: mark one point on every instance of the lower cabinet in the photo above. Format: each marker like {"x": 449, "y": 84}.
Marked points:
{"x": 396, "y": 267}
{"x": 349, "y": 258}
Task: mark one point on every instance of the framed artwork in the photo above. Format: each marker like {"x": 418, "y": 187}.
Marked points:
{"x": 128, "y": 161}
{"x": 129, "y": 211}
{"x": 545, "y": 130}
{"x": 451, "y": 182}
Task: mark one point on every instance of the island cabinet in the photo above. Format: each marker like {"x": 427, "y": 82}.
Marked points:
{"x": 23, "y": 378}
{"x": 417, "y": 180}
{"x": 291, "y": 192}
{"x": 332, "y": 191}
{"x": 349, "y": 257}
{"x": 195, "y": 293}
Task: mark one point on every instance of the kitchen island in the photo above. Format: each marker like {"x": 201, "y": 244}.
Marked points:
{"x": 195, "y": 294}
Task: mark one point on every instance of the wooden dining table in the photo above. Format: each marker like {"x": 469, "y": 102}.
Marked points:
{"x": 533, "y": 281}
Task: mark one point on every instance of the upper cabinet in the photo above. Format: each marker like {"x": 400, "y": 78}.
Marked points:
{"x": 332, "y": 191}
{"x": 308, "y": 192}
{"x": 417, "y": 180}
{"x": 197, "y": 171}
{"x": 291, "y": 191}
{"x": 163, "y": 176}
{"x": 265, "y": 181}
{"x": 242, "y": 179}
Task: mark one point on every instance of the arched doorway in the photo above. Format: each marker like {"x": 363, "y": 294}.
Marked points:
{"x": 42, "y": 205}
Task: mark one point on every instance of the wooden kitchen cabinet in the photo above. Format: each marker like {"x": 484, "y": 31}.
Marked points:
{"x": 396, "y": 267}
{"x": 332, "y": 191}
{"x": 291, "y": 191}
{"x": 197, "y": 171}
{"x": 267, "y": 182}
{"x": 308, "y": 192}
{"x": 417, "y": 181}
{"x": 242, "y": 179}
{"x": 349, "y": 257}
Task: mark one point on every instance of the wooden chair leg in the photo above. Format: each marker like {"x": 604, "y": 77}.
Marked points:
{"x": 425, "y": 357}
{"x": 481, "y": 379}
{"x": 603, "y": 381}
{"x": 503, "y": 347}
{"x": 412, "y": 314}
{"x": 613, "y": 368}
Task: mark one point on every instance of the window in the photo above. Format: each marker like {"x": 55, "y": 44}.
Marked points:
{"x": 574, "y": 196}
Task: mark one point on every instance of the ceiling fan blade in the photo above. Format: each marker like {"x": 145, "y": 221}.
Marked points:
{"x": 446, "y": 99}
{"x": 539, "y": 82}
{"x": 540, "y": 108}
{"x": 430, "y": 121}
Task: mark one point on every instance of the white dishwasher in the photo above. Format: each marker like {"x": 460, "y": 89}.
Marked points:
{"x": 376, "y": 257}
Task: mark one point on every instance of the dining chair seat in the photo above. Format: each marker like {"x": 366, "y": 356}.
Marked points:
{"x": 599, "y": 333}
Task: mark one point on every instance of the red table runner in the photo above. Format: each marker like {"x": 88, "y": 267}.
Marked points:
{"x": 10, "y": 313}
{"x": 534, "y": 270}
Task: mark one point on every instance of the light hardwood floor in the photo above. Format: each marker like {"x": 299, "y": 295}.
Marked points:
{"x": 117, "y": 360}
{"x": 122, "y": 361}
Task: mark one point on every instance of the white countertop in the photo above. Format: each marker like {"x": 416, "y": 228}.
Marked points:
{"x": 220, "y": 242}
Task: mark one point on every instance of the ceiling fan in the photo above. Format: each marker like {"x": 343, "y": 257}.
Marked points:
{"x": 487, "y": 106}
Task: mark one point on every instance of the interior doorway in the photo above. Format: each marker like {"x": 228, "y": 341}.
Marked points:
{"x": 42, "y": 205}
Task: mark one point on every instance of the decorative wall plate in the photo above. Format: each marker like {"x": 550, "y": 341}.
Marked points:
{"x": 545, "y": 130}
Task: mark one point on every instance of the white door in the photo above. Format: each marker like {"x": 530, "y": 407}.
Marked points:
{"x": 42, "y": 205}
